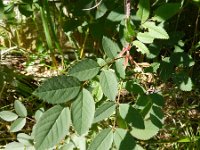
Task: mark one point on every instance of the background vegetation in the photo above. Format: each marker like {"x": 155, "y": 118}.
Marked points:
{"x": 105, "y": 74}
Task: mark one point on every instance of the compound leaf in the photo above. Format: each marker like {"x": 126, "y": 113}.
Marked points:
{"x": 83, "y": 109}
{"x": 58, "y": 89}
{"x": 52, "y": 127}
{"x": 85, "y": 69}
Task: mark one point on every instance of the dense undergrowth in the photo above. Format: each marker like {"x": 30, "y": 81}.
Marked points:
{"x": 99, "y": 74}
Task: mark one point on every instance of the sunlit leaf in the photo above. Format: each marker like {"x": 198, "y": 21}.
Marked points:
{"x": 124, "y": 140}
{"x": 104, "y": 111}
{"x": 155, "y": 31}
{"x": 20, "y": 108}
{"x": 145, "y": 37}
{"x": 141, "y": 47}
{"x": 85, "y": 69}
{"x": 52, "y": 127}
{"x": 8, "y": 115}
{"x": 25, "y": 139}
{"x": 109, "y": 84}
{"x": 131, "y": 116}
{"x": 58, "y": 89}
{"x": 83, "y": 109}
{"x": 103, "y": 140}
{"x": 147, "y": 133}
{"x": 110, "y": 47}
{"x": 143, "y": 10}
{"x": 120, "y": 68}
{"x": 18, "y": 124}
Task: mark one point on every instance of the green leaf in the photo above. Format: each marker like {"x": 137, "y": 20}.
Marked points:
{"x": 141, "y": 47}
{"x": 18, "y": 124}
{"x": 8, "y": 115}
{"x": 138, "y": 147}
{"x": 110, "y": 47}
{"x": 131, "y": 116}
{"x": 25, "y": 139}
{"x": 116, "y": 15}
{"x": 52, "y": 127}
{"x": 25, "y": 9}
{"x": 68, "y": 146}
{"x": 157, "y": 99}
{"x": 103, "y": 140}
{"x": 145, "y": 37}
{"x": 166, "y": 11}
{"x": 85, "y": 69}
{"x": 120, "y": 68}
{"x": 101, "y": 10}
{"x": 20, "y": 108}
{"x": 135, "y": 88}
{"x": 166, "y": 69}
{"x": 124, "y": 140}
{"x": 15, "y": 145}
{"x": 38, "y": 114}
{"x": 79, "y": 141}
{"x": 109, "y": 84}
{"x": 104, "y": 111}
{"x": 58, "y": 89}
{"x": 143, "y": 10}
{"x": 147, "y": 133}
{"x": 182, "y": 59}
{"x": 97, "y": 92}
{"x": 156, "y": 32}
{"x": 83, "y": 109}
{"x": 183, "y": 81}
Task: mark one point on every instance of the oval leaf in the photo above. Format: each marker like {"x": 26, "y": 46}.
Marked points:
{"x": 58, "y": 89}
{"x": 18, "y": 124}
{"x": 166, "y": 11}
{"x": 108, "y": 84}
{"x": 104, "y": 111}
{"x": 120, "y": 68}
{"x": 124, "y": 140}
{"x": 83, "y": 109}
{"x": 52, "y": 127}
{"x": 131, "y": 116}
{"x": 110, "y": 47}
{"x": 147, "y": 133}
{"x": 103, "y": 141}
{"x": 25, "y": 139}
{"x": 15, "y": 145}
{"x": 143, "y": 10}
{"x": 20, "y": 108}
{"x": 8, "y": 115}
{"x": 85, "y": 69}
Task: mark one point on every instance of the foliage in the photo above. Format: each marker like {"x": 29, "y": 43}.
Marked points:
{"x": 83, "y": 107}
